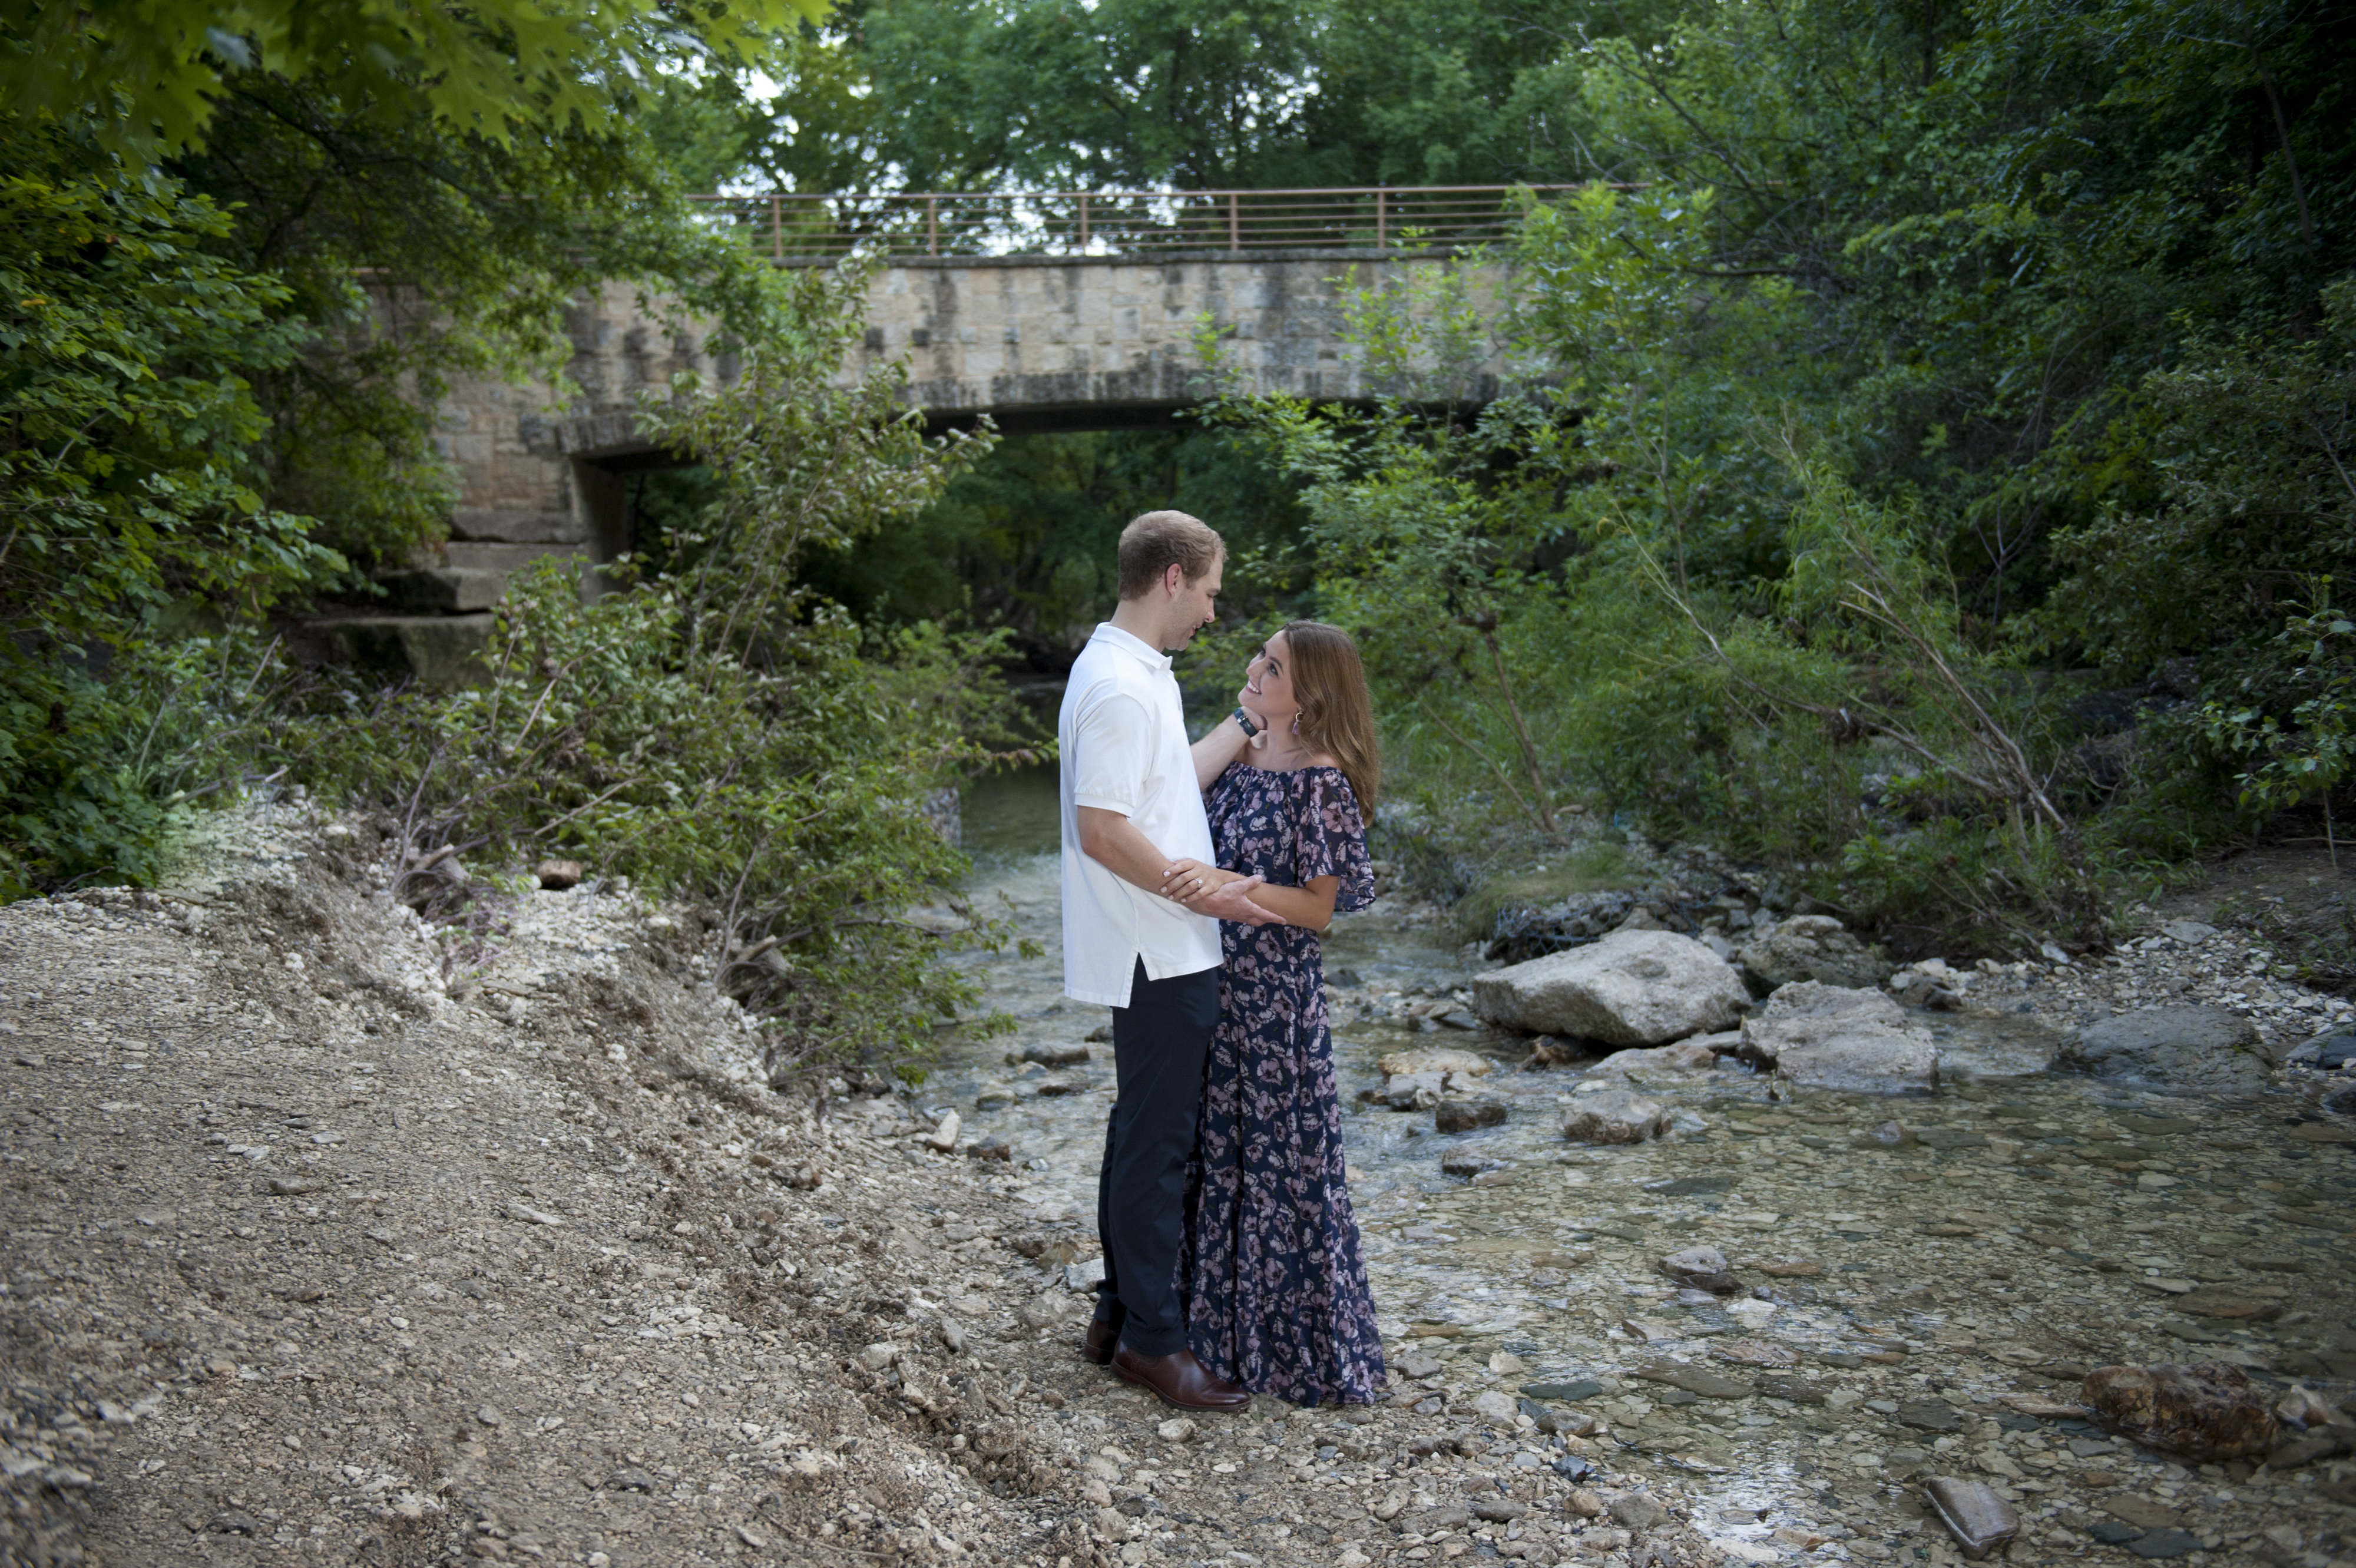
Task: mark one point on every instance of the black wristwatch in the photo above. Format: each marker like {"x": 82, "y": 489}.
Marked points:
{"x": 1243, "y": 719}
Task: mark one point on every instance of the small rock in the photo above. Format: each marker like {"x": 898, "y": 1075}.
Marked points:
{"x": 1975, "y": 1515}
{"x": 628, "y": 1480}
{"x": 1428, "y": 1059}
{"x": 1614, "y": 1116}
{"x": 1177, "y": 1431}
{"x": 2328, "y": 1052}
{"x": 2191, "y": 933}
{"x": 943, "y": 1135}
{"x": 2208, "y": 1411}
{"x": 1753, "y": 1352}
{"x": 1496, "y": 1407}
{"x": 2142, "y": 1512}
{"x": 952, "y": 1335}
{"x": 878, "y": 1356}
{"x": 1929, "y": 1415}
{"x": 1697, "y": 1055}
{"x": 1702, "y": 1268}
{"x": 1566, "y": 1393}
{"x": 1631, "y": 988}
{"x": 556, "y": 875}
{"x": 1694, "y": 1380}
{"x": 1060, "y": 1056}
{"x": 488, "y": 1415}
{"x": 1466, "y": 1116}
{"x": 1499, "y": 1510}
{"x": 1583, "y": 1503}
{"x": 1636, "y": 1510}
{"x": 2162, "y": 1543}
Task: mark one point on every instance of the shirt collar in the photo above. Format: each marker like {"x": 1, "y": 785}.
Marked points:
{"x": 1130, "y": 644}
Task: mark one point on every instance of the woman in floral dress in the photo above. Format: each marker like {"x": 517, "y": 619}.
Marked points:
{"x": 1274, "y": 1280}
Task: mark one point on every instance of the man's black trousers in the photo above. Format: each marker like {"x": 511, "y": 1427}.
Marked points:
{"x": 1159, "y": 1042}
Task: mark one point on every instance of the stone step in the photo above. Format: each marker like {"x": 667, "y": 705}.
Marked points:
{"x": 451, "y": 590}
{"x": 440, "y": 650}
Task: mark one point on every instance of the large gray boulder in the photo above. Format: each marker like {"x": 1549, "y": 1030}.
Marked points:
{"x": 1811, "y": 946}
{"x": 2175, "y": 1048}
{"x": 1632, "y": 988}
{"x": 1843, "y": 1039}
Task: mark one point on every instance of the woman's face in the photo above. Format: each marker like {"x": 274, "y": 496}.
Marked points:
{"x": 1267, "y": 680}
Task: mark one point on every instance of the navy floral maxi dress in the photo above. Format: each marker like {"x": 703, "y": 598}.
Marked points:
{"x": 1275, "y": 1285}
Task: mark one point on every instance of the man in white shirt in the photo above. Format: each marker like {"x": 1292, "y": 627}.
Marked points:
{"x": 1130, "y": 808}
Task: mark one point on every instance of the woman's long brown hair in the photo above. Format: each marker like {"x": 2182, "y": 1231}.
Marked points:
{"x": 1337, "y": 717}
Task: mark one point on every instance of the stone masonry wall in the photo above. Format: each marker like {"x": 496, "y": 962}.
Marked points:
{"x": 1058, "y": 342}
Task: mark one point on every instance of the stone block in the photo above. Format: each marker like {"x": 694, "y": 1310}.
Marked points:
{"x": 444, "y": 589}
{"x": 515, "y": 525}
{"x": 440, "y": 651}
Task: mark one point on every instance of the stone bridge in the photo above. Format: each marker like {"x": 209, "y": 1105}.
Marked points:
{"x": 1034, "y": 341}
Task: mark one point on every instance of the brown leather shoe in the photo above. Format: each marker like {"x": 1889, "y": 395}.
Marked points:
{"x": 1097, "y": 1348}
{"x": 1179, "y": 1379}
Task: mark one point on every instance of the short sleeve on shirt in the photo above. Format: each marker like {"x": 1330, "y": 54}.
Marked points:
{"x": 1110, "y": 758}
{"x": 1329, "y": 837}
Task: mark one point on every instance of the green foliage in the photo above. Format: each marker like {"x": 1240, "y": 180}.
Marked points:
{"x": 2292, "y": 724}
{"x": 1025, "y": 541}
{"x": 126, "y": 389}
{"x": 719, "y": 731}
{"x": 949, "y": 95}
{"x": 1921, "y": 350}
{"x": 493, "y": 243}
{"x": 154, "y": 73}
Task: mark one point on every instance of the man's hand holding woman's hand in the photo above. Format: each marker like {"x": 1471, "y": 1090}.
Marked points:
{"x": 1223, "y": 894}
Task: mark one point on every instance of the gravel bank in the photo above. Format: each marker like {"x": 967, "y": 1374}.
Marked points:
{"x": 335, "y": 1239}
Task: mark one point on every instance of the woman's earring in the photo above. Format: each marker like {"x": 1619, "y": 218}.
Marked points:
{"x": 1296, "y": 723}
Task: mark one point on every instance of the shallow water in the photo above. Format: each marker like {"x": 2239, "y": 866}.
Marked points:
{"x": 2022, "y": 1231}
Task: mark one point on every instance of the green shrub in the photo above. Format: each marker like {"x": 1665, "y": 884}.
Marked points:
{"x": 717, "y": 732}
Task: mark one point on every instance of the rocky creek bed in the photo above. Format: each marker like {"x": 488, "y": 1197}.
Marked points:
{"x": 335, "y": 1239}
{"x": 1919, "y": 1283}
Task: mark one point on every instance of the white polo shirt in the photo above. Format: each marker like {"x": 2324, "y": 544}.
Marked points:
{"x": 1123, "y": 735}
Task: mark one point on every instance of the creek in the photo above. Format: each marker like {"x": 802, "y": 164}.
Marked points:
{"x": 1919, "y": 1274}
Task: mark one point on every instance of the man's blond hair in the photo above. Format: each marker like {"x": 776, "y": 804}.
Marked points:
{"x": 1153, "y": 542}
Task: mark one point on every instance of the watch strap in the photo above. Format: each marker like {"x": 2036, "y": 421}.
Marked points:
{"x": 1243, "y": 719}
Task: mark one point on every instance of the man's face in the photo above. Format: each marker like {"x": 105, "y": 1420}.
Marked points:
{"x": 1194, "y": 607}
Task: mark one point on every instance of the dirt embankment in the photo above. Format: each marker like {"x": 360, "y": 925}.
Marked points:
{"x": 334, "y": 1238}
{"x": 307, "y": 1260}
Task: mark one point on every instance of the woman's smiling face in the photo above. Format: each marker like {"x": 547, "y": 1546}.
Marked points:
{"x": 1268, "y": 681}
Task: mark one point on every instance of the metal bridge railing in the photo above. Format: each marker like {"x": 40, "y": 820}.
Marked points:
{"x": 818, "y": 228}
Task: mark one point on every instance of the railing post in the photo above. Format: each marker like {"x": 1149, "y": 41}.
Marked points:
{"x": 1382, "y": 220}
{"x": 1083, "y": 222}
{"x": 932, "y": 226}
{"x": 1235, "y": 222}
{"x": 776, "y": 229}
